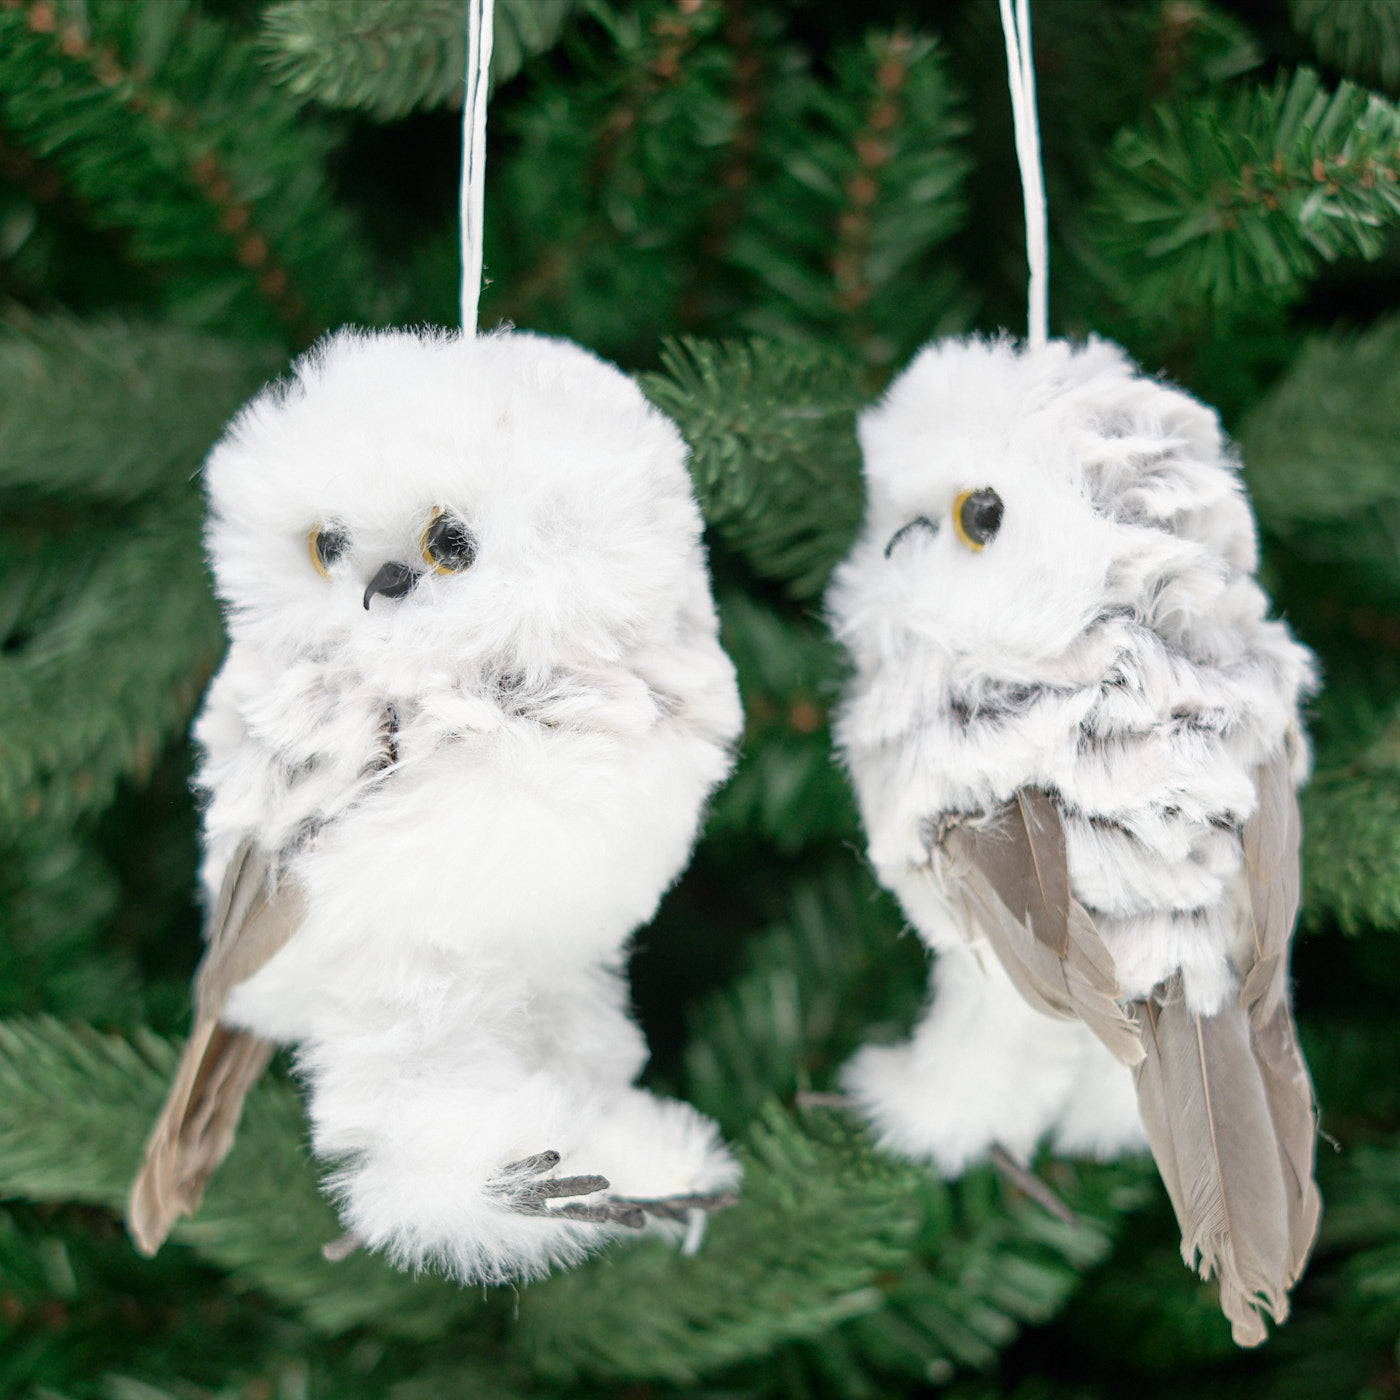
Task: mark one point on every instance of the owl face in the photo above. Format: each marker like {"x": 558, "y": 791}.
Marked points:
{"x": 1014, "y": 496}
{"x": 411, "y": 505}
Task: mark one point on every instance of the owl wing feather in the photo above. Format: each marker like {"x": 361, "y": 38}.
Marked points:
{"x": 1209, "y": 1123}
{"x": 1217, "y": 1092}
{"x": 251, "y": 919}
{"x": 254, "y": 916}
{"x": 256, "y": 912}
{"x": 1272, "y": 841}
{"x": 1014, "y": 881}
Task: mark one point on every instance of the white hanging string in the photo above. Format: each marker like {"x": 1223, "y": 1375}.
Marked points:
{"x": 1020, "y": 72}
{"x": 480, "y": 14}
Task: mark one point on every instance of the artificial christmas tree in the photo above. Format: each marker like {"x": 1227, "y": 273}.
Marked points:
{"x": 761, "y": 209}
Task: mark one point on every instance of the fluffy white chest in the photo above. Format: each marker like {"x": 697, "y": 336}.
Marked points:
{"x": 535, "y": 847}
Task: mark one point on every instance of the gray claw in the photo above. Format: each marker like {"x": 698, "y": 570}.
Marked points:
{"x": 606, "y": 1212}
{"x": 532, "y": 1197}
{"x": 533, "y": 1166}
{"x": 675, "y": 1207}
{"x": 568, "y": 1186}
{"x": 581, "y": 1210}
{"x": 529, "y": 1197}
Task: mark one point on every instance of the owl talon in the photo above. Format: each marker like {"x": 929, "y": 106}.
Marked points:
{"x": 582, "y": 1210}
{"x": 540, "y": 1162}
{"x": 672, "y": 1207}
{"x": 529, "y": 1197}
{"x": 567, "y": 1186}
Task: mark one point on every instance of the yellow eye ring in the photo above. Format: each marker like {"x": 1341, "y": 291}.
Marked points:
{"x": 326, "y": 544}
{"x": 977, "y": 517}
{"x": 423, "y": 543}
{"x": 447, "y": 545}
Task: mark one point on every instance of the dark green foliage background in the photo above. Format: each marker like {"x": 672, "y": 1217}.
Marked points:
{"x": 761, "y": 207}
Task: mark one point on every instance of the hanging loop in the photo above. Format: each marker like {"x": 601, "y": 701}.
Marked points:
{"x": 480, "y": 14}
{"x": 1020, "y": 72}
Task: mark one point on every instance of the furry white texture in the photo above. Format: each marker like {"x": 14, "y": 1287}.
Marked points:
{"x": 478, "y": 789}
{"x": 1110, "y": 646}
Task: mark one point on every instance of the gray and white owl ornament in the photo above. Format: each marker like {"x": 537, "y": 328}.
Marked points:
{"x": 1074, "y": 736}
{"x": 473, "y": 705}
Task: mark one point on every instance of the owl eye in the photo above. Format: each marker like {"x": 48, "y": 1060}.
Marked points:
{"x": 977, "y": 517}
{"x": 447, "y": 544}
{"x": 920, "y": 522}
{"x": 327, "y": 545}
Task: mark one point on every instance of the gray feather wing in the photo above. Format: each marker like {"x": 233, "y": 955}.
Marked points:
{"x": 1272, "y": 841}
{"x": 252, "y": 918}
{"x": 1022, "y": 854}
{"x": 1013, "y": 876}
{"x": 1210, "y": 1125}
{"x": 1292, "y": 1108}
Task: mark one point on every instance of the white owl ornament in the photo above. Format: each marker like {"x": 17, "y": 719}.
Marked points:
{"x": 1074, "y": 736}
{"x": 473, "y": 705}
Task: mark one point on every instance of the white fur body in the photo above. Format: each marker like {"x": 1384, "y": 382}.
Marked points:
{"x": 1109, "y": 646}
{"x": 477, "y": 790}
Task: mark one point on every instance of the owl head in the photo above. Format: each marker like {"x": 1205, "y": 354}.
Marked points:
{"x": 1017, "y": 494}
{"x": 410, "y": 504}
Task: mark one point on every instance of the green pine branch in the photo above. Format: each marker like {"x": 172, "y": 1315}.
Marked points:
{"x": 112, "y": 410}
{"x": 837, "y": 1249}
{"x": 1361, "y": 37}
{"x": 114, "y": 632}
{"x": 75, "y": 1108}
{"x": 472, "y": 1378}
{"x": 831, "y": 975}
{"x": 82, "y": 1314}
{"x": 771, "y": 430}
{"x": 1322, "y": 457}
{"x": 1323, "y": 466}
{"x": 820, "y": 1220}
{"x": 389, "y": 60}
{"x": 991, "y": 1262}
{"x": 1153, "y": 1313}
{"x": 1351, "y": 813}
{"x": 786, "y": 788}
{"x": 160, "y": 121}
{"x": 54, "y": 896}
{"x": 594, "y": 226}
{"x": 1363, "y": 1220}
{"x": 1228, "y": 198}
{"x": 857, "y": 185}
{"x": 1031, "y": 1388}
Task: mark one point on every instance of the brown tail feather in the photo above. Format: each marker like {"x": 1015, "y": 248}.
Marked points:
{"x": 195, "y": 1129}
{"x": 1228, "y": 1154}
{"x": 1288, "y": 1089}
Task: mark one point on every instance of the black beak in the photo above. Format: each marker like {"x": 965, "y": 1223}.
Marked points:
{"x": 392, "y": 580}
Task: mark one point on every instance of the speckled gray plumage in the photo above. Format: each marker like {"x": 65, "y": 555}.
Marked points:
{"x": 1110, "y": 649}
